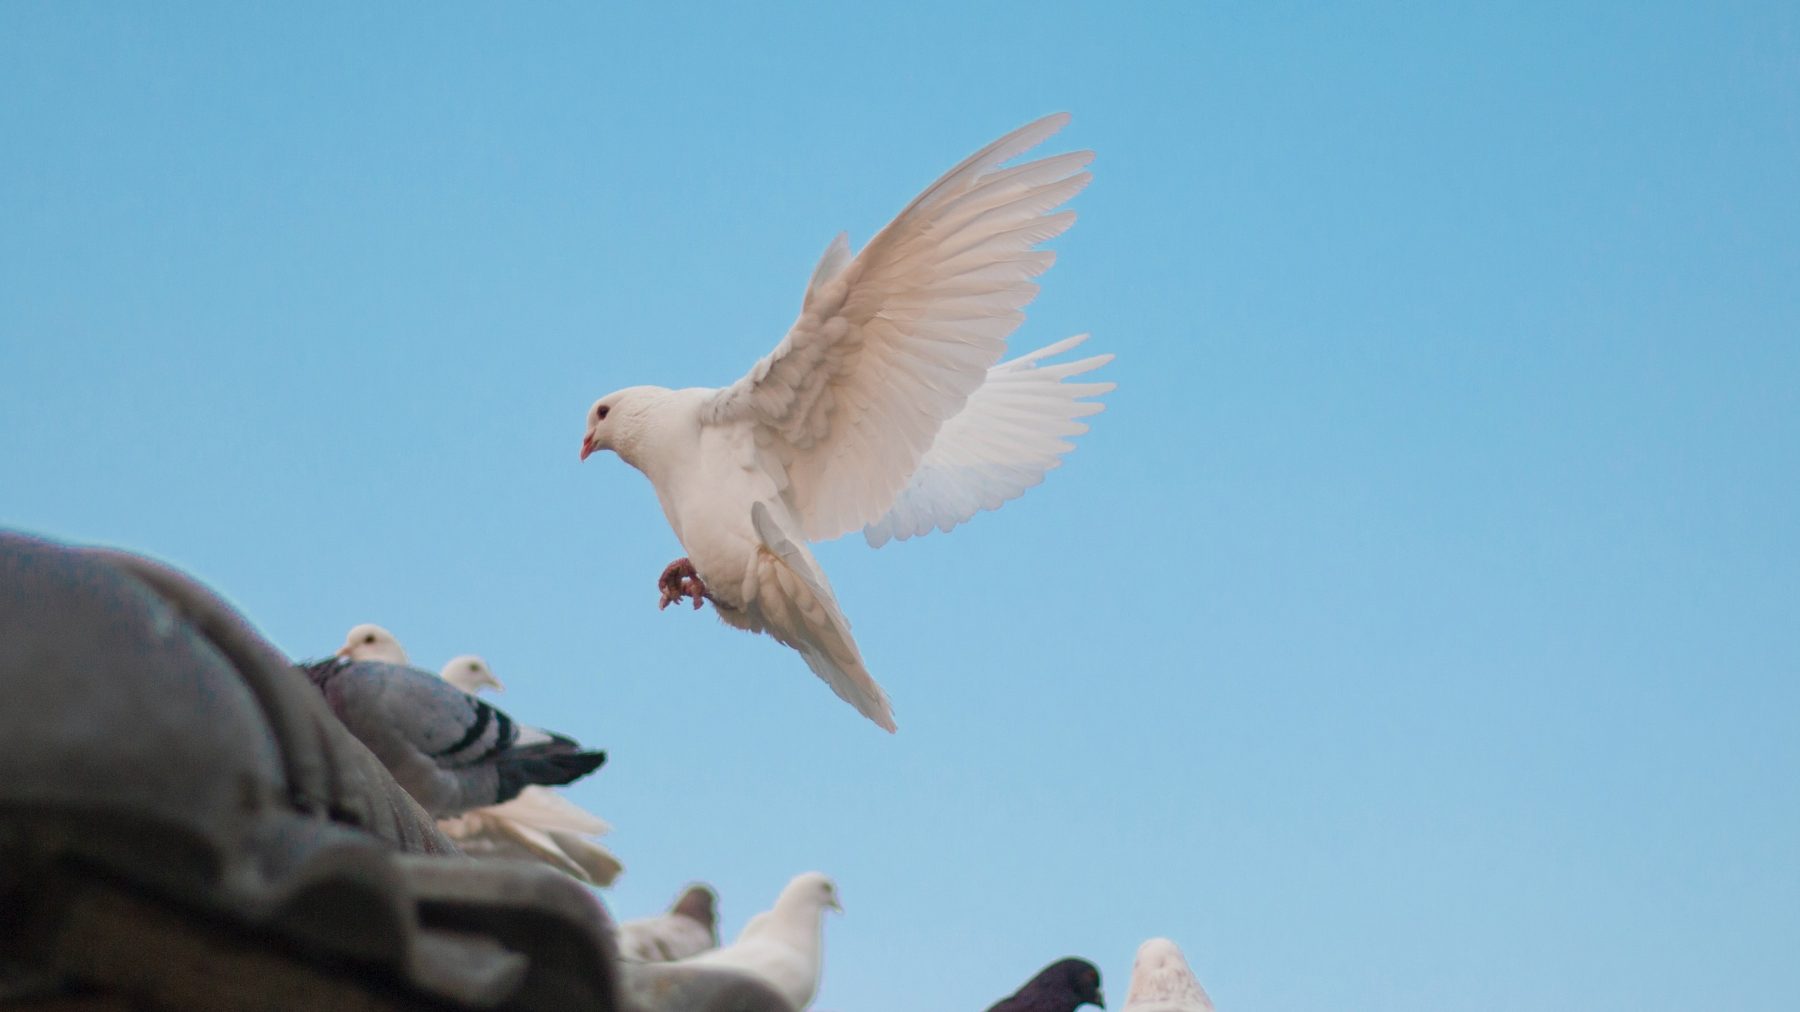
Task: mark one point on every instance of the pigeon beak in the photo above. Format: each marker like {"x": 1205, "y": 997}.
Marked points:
{"x": 1099, "y": 999}
{"x": 835, "y": 905}
{"x": 343, "y": 651}
{"x": 587, "y": 446}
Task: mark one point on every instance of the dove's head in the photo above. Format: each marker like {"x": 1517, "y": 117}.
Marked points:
{"x": 370, "y": 642}
{"x": 470, "y": 674}
{"x": 616, "y": 420}
{"x": 810, "y": 892}
{"x": 1160, "y": 974}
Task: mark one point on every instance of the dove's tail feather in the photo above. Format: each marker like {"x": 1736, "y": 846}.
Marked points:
{"x": 520, "y": 770}
{"x": 799, "y": 610}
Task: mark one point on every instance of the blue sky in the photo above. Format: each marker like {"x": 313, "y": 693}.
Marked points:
{"x": 1415, "y": 630}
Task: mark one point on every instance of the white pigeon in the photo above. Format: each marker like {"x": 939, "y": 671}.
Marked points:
{"x": 885, "y": 408}
{"x": 783, "y": 945}
{"x": 1162, "y": 982}
{"x": 539, "y": 824}
{"x": 689, "y": 927}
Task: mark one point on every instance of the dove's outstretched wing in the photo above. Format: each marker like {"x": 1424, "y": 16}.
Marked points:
{"x": 1006, "y": 438}
{"x": 892, "y": 344}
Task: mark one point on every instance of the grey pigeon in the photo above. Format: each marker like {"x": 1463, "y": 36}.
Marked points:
{"x": 1063, "y": 986}
{"x": 451, "y": 751}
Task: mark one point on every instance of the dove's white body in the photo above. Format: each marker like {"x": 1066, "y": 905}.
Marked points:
{"x": 885, "y": 408}
{"x": 783, "y": 945}
{"x": 706, "y": 479}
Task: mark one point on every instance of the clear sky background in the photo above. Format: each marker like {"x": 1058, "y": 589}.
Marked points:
{"x": 1415, "y": 630}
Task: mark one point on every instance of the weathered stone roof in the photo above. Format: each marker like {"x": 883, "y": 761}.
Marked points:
{"x": 185, "y": 825}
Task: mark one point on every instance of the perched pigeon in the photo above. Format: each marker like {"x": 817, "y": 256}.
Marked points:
{"x": 1063, "y": 986}
{"x": 689, "y": 928}
{"x": 782, "y": 945}
{"x": 1162, "y": 982}
{"x": 451, "y": 751}
{"x": 538, "y": 825}
{"x": 886, "y": 408}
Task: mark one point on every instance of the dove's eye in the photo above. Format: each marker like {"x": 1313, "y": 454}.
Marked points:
{"x": 600, "y": 413}
{"x": 369, "y": 638}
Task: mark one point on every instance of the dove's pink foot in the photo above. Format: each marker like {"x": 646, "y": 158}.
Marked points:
{"x": 678, "y": 581}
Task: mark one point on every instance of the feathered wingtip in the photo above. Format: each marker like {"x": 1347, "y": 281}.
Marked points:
{"x": 549, "y": 769}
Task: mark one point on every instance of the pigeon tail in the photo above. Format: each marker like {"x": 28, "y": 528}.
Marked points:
{"x": 519, "y": 770}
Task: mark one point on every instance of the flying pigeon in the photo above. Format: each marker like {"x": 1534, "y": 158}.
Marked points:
{"x": 689, "y": 928}
{"x": 782, "y": 945}
{"x": 1162, "y": 982}
{"x": 451, "y": 751}
{"x": 886, "y": 408}
{"x": 1063, "y": 986}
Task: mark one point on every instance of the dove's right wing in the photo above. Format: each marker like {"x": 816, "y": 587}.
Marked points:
{"x": 891, "y": 344}
{"x": 1002, "y": 442}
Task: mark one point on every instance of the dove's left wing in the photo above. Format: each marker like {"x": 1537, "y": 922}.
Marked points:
{"x": 1006, "y": 438}
{"x": 891, "y": 345}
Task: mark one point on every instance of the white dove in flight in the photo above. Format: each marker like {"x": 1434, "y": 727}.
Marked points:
{"x": 886, "y": 407}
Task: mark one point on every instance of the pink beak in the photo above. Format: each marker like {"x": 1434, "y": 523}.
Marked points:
{"x": 587, "y": 447}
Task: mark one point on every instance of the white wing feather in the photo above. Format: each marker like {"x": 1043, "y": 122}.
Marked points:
{"x": 891, "y": 345}
{"x": 1007, "y": 437}
{"x": 542, "y": 825}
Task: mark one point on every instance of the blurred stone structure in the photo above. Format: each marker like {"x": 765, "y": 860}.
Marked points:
{"x": 185, "y": 827}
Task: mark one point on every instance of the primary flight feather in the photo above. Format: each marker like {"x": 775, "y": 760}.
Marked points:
{"x": 885, "y": 408}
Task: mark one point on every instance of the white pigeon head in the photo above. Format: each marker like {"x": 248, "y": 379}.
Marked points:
{"x": 370, "y": 642}
{"x": 616, "y": 420}
{"x": 1160, "y": 979}
{"x": 470, "y": 674}
{"x": 809, "y": 893}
